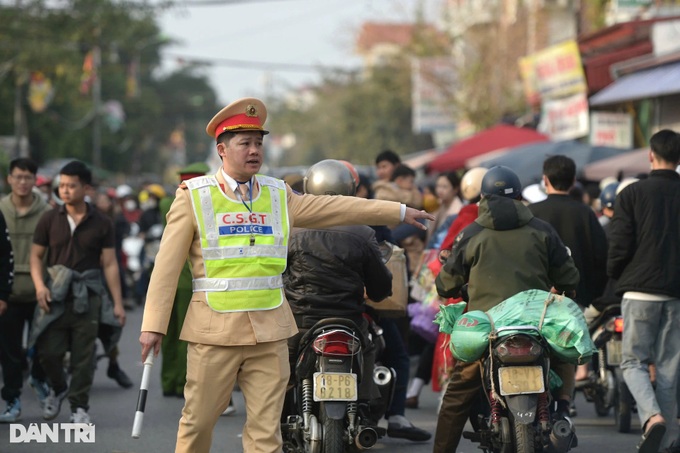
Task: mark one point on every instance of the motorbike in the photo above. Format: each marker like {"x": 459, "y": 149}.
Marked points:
{"x": 514, "y": 413}
{"x": 329, "y": 416}
{"x": 605, "y": 386}
{"x": 140, "y": 254}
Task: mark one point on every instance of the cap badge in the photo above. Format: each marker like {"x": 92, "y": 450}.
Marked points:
{"x": 251, "y": 110}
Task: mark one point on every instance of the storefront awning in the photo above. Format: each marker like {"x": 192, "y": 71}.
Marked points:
{"x": 650, "y": 83}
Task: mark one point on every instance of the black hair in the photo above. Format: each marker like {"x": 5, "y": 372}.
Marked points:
{"x": 224, "y": 137}
{"x": 24, "y": 163}
{"x": 79, "y": 169}
{"x": 453, "y": 178}
{"x": 560, "y": 171}
{"x": 666, "y": 145}
{"x": 365, "y": 181}
{"x": 402, "y": 170}
{"x": 389, "y": 156}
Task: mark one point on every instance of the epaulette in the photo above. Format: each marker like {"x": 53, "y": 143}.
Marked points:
{"x": 269, "y": 181}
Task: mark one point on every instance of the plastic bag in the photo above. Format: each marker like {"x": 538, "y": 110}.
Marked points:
{"x": 563, "y": 325}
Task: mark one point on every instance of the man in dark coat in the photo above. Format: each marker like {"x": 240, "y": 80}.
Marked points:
{"x": 577, "y": 225}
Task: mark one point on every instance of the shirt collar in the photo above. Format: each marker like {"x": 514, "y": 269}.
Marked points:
{"x": 231, "y": 182}
{"x": 88, "y": 212}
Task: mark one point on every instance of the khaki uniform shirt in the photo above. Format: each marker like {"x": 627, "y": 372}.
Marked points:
{"x": 181, "y": 239}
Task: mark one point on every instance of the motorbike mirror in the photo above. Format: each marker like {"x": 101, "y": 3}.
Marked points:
{"x": 385, "y": 251}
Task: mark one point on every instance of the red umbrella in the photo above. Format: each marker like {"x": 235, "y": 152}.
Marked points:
{"x": 496, "y": 137}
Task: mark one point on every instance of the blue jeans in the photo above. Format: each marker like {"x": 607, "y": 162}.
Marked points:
{"x": 651, "y": 335}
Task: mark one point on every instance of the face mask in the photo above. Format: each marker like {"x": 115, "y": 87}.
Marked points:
{"x": 130, "y": 205}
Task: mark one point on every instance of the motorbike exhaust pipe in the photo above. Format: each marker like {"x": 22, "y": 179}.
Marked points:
{"x": 561, "y": 436}
{"x": 366, "y": 438}
{"x": 382, "y": 375}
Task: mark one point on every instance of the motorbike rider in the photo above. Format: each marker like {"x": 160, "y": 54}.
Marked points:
{"x": 608, "y": 297}
{"x": 328, "y": 271}
{"x": 506, "y": 250}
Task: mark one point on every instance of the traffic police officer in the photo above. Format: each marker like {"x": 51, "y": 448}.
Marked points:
{"x": 234, "y": 226}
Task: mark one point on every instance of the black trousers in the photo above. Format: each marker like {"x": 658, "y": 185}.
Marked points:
{"x": 76, "y": 333}
{"x": 12, "y": 353}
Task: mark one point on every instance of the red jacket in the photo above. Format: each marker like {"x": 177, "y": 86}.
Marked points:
{"x": 466, "y": 216}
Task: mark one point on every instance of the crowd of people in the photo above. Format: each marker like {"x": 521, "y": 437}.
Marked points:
{"x": 69, "y": 269}
{"x": 235, "y": 265}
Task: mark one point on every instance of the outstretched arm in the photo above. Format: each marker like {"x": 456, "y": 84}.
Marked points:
{"x": 412, "y": 217}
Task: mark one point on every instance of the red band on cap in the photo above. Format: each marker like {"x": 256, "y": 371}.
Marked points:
{"x": 238, "y": 122}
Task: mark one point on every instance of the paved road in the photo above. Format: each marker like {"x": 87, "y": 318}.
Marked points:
{"x": 112, "y": 411}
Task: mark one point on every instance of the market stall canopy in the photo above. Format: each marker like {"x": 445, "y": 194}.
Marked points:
{"x": 527, "y": 160}
{"x": 619, "y": 166}
{"x": 419, "y": 159}
{"x": 648, "y": 84}
{"x": 496, "y": 137}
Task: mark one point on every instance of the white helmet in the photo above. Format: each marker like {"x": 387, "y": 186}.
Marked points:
{"x": 625, "y": 183}
{"x": 471, "y": 183}
{"x": 123, "y": 191}
{"x": 606, "y": 181}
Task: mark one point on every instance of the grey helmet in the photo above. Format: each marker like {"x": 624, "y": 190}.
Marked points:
{"x": 55, "y": 190}
{"x": 329, "y": 177}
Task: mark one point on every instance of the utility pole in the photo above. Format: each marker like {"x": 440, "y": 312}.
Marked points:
{"x": 18, "y": 114}
{"x": 18, "y": 108}
{"x": 96, "y": 105}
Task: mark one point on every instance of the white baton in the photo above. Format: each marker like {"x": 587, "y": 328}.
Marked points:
{"x": 141, "y": 400}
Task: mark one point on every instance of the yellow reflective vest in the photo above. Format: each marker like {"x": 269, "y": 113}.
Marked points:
{"x": 244, "y": 252}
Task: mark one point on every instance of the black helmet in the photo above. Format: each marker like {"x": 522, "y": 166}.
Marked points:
{"x": 329, "y": 177}
{"x": 501, "y": 180}
{"x": 608, "y": 195}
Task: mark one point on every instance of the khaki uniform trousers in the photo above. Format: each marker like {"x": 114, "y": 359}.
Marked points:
{"x": 262, "y": 372}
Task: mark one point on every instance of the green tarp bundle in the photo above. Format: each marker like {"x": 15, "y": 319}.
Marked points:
{"x": 559, "y": 318}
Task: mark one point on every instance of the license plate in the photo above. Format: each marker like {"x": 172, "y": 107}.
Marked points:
{"x": 335, "y": 387}
{"x": 614, "y": 352}
{"x": 517, "y": 380}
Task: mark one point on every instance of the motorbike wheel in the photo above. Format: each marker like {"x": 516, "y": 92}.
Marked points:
{"x": 602, "y": 406}
{"x": 524, "y": 438}
{"x": 506, "y": 437}
{"x": 333, "y": 435}
{"x": 623, "y": 407}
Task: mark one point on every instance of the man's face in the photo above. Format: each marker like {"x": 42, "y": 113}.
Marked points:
{"x": 21, "y": 182}
{"x": 71, "y": 190}
{"x": 384, "y": 170}
{"x": 242, "y": 155}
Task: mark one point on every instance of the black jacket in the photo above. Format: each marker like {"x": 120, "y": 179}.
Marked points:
{"x": 644, "y": 249}
{"x": 328, "y": 270}
{"x": 579, "y": 229}
{"x": 505, "y": 251}
{"x": 6, "y": 261}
